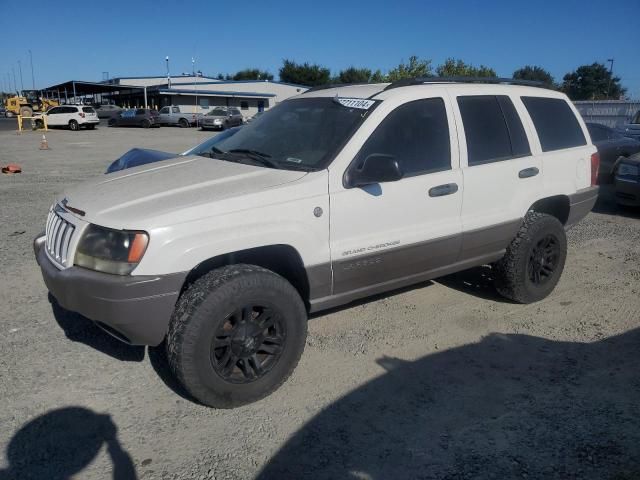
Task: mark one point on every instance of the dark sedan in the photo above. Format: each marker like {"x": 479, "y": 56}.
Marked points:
{"x": 627, "y": 181}
{"x": 611, "y": 146}
{"x": 136, "y": 117}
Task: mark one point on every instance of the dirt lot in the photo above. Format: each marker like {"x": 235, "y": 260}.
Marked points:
{"x": 444, "y": 380}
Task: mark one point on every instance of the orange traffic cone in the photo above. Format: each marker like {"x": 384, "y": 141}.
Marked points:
{"x": 44, "y": 145}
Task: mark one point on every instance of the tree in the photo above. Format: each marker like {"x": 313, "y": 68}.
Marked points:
{"x": 354, "y": 75}
{"x": 252, "y": 74}
{"x": 378, "y": 77}
{"x": 416, "y": 68}
{"x": 457, "y": 68}
{"x": 592, "y": 82}
{"x": 535, "y": 74}
{"x": 304, "y": 74}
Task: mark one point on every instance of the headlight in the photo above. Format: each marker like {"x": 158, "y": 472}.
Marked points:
{"x": 627, "y": 170}
{"x": 217, "y": 121}
{"x": 110, "y": 251}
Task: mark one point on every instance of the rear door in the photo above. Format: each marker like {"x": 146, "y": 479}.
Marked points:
{"x": 390, "y": 233}
{"x": 501, "y": 176}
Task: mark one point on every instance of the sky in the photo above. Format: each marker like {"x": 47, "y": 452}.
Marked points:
{"x": 81, "y": 40}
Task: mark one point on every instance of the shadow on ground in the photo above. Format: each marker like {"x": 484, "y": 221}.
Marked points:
{"x": 80, "y": 329}
{"x": 510, "y": 406}
{"x": 61, "y": 443}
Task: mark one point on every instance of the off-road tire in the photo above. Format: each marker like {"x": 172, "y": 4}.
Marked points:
{"x": 512, "y": 272}
{"x": 205, "y": 306}
{"x": 183, "y": 123}
{"x": 26, "y": 111}
{"x": 73, "y": 125}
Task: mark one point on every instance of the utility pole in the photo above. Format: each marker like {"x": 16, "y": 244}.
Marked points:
{"x": 610, "y": 60}
{"x": 33, "y": 78}
{"x": 15, "y": 84}
{"x": 21, "y": 81}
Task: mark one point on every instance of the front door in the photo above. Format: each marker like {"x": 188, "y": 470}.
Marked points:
{"x": 394, "y": 232}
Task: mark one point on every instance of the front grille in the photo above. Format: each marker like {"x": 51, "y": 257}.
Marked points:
{"x": 59, "y": 233}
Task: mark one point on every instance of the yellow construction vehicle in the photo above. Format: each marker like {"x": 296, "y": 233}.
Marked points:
{"x": 27, "y": 103}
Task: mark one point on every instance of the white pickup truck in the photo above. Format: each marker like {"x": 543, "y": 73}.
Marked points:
{"x": 177, "y": 116}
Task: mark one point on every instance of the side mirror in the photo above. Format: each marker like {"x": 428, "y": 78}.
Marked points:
{"x": 376, "y": 168}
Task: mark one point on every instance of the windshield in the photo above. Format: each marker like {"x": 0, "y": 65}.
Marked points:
{"x": 300, "y": 134}
{"x": 217, "y": 112}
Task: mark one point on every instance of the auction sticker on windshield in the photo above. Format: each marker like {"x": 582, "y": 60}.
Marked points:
{"x": 360, "y": 103}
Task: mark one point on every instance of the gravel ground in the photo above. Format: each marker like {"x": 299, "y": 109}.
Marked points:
{"x": 444, "y": 380}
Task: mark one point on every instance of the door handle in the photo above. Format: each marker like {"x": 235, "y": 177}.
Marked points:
{"x": 442, "y": 190}
{"x": 528, "y": 172}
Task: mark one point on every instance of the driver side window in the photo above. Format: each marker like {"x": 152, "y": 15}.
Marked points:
{"x": 164, "y": 110}
{"x": 416, "y": 134}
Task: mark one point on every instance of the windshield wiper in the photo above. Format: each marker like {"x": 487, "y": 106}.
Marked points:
{"x": 256, "y": 156}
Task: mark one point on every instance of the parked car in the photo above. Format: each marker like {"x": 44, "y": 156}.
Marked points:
{"x": 3, "y": 111}
{"x": 143, "y": 156}
{"x": 177, "y": 116}
{"x": 334, "y": 195}
{"x": 72, "y": 116}
{"x": 627, "y": 181}
{"x": 611, "y": 146}
{"x": 222, "y": 117}
{"x": 136, "y": 117}
{"x": 107, "y": 111}
{"x": 631, "y": 129}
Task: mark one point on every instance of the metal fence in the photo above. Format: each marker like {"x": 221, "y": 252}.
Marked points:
{"x": 607, "y": 112}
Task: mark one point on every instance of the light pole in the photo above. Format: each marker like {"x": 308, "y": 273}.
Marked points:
{"x": 610, "y": 60}
{"x": 15, "y": 84}
{"x": 33, "y": 78}
{"x": 20, "y": 70}
{"x": 168, "y": 75}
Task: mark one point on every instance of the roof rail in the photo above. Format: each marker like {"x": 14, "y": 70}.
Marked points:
{"x": 492, "y": 80}
{"x": 334, "y": 85}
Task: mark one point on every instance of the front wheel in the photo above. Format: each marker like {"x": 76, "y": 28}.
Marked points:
{"x": 183, "y": 122}
{"x": 534, "y": 261}
{"x": 236, "y": 335}
{"x": 73, "y": 125}
{"x": 145, "y": 123}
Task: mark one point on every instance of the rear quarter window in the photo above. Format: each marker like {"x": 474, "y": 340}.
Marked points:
{"x": 88, "y": 110}
{"x": 555, "y": 122}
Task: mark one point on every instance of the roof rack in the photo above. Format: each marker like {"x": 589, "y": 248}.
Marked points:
{"x": 405, "y": 82}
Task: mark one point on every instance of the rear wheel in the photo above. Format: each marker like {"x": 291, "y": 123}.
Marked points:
{"x": 183, "y": 122}
{"x": 145, "y": 123}
{"x": 73, "y": 125}
{"x": 236, "y": 335}
{"x": 533, "y": 263}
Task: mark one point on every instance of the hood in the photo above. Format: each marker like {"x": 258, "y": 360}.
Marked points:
{"x": 135, "y": 197}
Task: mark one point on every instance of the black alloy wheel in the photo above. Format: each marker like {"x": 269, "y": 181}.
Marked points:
{"x": 248, "y": 344}
{"x": 543, "y": 260}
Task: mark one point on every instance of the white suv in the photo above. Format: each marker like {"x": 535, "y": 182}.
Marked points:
{"x": 72, "y": 116}
{"x": 334, "y": 195}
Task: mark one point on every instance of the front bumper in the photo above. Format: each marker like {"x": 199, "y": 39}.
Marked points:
{"x": 628, "y": 192}
{"x": 134, "y": 309}
{"x": 580, "y": 204}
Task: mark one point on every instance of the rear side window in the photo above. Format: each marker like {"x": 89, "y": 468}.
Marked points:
{"x": 492, "y": 128}
{"x": 417, "y": 134}
{"x": 555, "y": 123}
{"x": 88, "y": 110}
{"x": 140, "y": 111}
